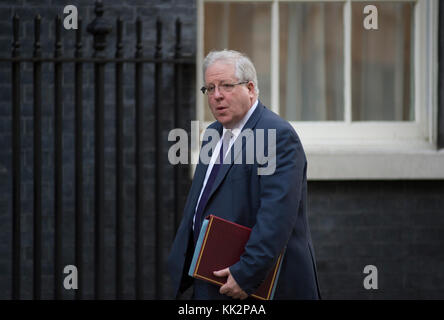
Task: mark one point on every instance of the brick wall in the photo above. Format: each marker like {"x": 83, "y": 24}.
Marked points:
{"x": 397, "y": 226}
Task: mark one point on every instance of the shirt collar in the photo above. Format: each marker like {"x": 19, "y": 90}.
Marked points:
{"x": 236, "y": 130}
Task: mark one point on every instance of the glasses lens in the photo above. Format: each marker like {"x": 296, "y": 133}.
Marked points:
{"x": 210, "y": 90}
{"x": 227, "y": 87}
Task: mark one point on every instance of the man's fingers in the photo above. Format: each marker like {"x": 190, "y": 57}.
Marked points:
{"x": 222, "y": 273}
{"x": 234, "y": 294}
{"x": 244, "y": 296}
{"x": 240, "y": 295}
{"x": 224, "y": 289}
{"x": 230, "y": 288}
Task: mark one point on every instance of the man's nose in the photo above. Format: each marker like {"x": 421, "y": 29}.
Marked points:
{"x": 217, "y": 93}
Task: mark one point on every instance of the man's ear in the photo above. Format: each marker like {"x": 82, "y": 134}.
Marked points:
{"x": 250, "y": 86}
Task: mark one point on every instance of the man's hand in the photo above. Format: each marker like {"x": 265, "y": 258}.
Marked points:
{"x": 230, "y": 288}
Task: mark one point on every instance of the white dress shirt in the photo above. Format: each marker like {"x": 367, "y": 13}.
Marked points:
{"x": 236, "y": 130}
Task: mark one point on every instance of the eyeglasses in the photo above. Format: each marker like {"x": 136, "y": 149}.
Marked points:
{"x": 225, "y": 87}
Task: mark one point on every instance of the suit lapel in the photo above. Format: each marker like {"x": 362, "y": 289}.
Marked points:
{"x": 251, "y": 123}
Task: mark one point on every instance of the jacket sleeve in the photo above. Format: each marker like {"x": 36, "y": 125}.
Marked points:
{"x": 280, "y": 196}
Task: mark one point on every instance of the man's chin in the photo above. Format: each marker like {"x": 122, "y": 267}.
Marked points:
{"x": 224, "y": 120}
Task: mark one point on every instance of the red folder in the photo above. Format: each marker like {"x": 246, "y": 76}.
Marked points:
{"x": 220, "y": 245}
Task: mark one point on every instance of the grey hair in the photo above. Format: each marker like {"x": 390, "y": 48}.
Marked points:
{"x": 244, "y": 68}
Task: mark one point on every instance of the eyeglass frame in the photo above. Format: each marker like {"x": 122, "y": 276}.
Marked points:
{"x": 230, "y": 85}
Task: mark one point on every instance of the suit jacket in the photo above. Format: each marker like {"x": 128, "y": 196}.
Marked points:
{"x": 274, "y": 206}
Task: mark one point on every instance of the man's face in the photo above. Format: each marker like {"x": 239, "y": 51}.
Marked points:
{"x": 228, "y": 107}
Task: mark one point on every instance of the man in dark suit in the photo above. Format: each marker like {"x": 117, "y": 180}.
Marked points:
{"x": 270, "y": 197}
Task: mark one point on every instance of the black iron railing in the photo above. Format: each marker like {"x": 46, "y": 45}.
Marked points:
{"x": 99, "y": 28}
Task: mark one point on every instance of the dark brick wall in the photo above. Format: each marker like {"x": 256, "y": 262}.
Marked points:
{"x": 397, "y": 226}
{"x": 128, "y": 10}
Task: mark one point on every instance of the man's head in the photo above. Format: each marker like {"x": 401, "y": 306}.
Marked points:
{"x": 231, "y": 84}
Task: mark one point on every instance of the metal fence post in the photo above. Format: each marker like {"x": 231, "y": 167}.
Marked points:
{"x": 99, "y": 28}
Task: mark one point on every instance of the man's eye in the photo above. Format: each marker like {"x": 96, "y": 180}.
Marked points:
{"x": 227, "y": 85}
{"x": 211, "y": 88}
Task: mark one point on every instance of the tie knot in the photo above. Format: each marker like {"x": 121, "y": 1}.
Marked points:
{"x": 227, "y": 136}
